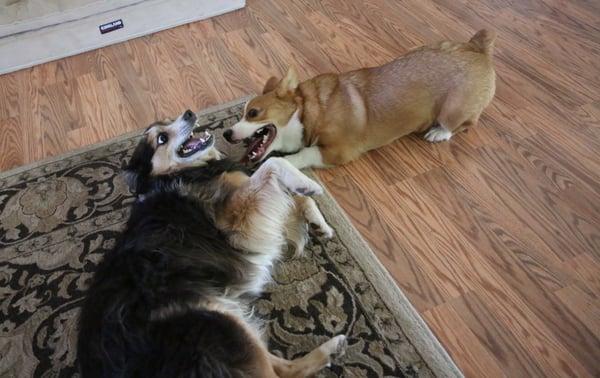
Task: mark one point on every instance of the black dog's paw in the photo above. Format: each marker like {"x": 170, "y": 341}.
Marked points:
{"x": 321, "y": 230}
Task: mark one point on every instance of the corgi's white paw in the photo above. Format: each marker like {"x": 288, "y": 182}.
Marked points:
{"x": 437, "y": 134}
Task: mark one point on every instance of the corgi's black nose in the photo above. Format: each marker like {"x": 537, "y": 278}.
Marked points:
{"x": 188, "y": 115}
{"x": 228, "y": 135}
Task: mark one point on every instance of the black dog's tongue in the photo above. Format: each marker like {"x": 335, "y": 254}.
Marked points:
{"x": 193, "y": 143}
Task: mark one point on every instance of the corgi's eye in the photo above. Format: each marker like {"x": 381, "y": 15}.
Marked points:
{"x": 252, "y": 113}
{"x": 162, "y": 138}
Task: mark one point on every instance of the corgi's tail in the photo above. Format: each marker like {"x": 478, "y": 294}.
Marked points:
{"x": 483, "y": 41}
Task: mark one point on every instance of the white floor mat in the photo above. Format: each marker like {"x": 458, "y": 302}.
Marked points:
{"x": 37, "y": 31}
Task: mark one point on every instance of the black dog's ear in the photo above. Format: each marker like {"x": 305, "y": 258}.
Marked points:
{"x": 137, "y": 172}
{"x": 131, "y": 179}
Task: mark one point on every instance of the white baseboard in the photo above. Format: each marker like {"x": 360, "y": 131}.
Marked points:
{"x": 30, "y": 48}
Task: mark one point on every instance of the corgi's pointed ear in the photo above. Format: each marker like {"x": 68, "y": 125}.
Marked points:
{"x": 271, "y": 84}
{"x": 289, "y": 83}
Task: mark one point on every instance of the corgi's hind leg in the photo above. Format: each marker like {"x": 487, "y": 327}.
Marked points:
{"x": 447, "y": 125}
{"x": 438, "y": 133}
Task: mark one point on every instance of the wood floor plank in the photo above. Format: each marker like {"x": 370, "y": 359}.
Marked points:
{"x": 511, "y": 355}
{"x": 524, "y": 327}
{"x": 59, "y": 106}
{"x": 531, "y": 186}
{"x": 506, "y": 251}
{"x": 348, "y": 49}
{"x": 360, "y": 17}
{"x": 202, "y": 93}
{"x": 51, "y": 73}
{"x": 95, "y": 107}
{"x": 211, "y": 67}
{"x": 111, "y": 61}
{"x": 466, "y": 348}
{"x": 233, "y": 71}
{"x": 29, "y": 116}
{"x": 414, "y": 281}
{"x": 588, "y": 310}
{"x": 232, "y": 21}
{"x": 11, "y": 143}
{"x": 175, "y": 44}
{"x": 294, "y": 32}
{"x": 585, "y": 269}
{"x": 292, "y": 56}
{"x": 499, "y": 184}
{"x": 251, "y": 50}
{"x": 9, "y": 97}
{"x": 534, "y": 281}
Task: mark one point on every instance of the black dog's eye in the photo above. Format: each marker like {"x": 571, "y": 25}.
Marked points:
{"x": 252, "y": 113}
{"x": 162, "y": 138}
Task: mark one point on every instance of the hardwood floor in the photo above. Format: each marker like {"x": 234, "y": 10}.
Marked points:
{"x": 494, "y": 236}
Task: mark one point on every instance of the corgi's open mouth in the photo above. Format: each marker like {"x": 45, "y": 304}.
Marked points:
{"x": 194, "y": 143}
{"x": 259, "y": 142}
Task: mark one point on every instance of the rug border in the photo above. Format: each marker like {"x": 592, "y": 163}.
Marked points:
{"x": 417, "y": 331}
{"x": 413, "y": 325}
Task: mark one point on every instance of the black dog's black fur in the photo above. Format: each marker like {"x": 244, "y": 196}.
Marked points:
{"x": 169, "y": 253}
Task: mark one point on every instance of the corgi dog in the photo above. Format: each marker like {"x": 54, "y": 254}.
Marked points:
{"x": 331, "y": 119}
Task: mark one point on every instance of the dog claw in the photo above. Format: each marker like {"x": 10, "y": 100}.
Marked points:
{"x": 321, "y": 230}
{"x": 305, "y": 191}
{"x": 309, "y": 191}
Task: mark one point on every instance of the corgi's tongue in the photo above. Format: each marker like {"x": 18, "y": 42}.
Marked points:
{"x": 259, "y": 142}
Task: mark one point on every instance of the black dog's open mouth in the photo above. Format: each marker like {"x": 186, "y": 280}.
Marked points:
{"x": 195, "y": 144}
{"x": 259, "y": 142}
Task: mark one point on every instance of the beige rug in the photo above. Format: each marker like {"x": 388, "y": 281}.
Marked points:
{"x": 58, "y": 217}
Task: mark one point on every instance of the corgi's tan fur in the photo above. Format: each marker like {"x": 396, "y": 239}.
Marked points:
{"x": 439, "y": 90}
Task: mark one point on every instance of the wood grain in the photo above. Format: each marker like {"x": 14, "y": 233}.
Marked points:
{"x": 494, "y": 236}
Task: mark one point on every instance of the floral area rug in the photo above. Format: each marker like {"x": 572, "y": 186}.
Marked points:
{"x": 59, "y": 217}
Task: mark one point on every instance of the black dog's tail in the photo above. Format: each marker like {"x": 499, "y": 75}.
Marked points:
{"x": 202, "y": 343}
{"x": 197, "y": 343}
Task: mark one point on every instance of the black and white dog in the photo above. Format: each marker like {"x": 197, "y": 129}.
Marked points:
{"x": 168, "y": 300}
